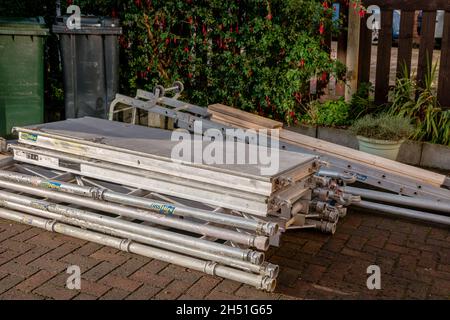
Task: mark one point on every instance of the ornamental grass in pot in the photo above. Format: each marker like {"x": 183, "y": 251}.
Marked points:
{"x": 382, "y": 135}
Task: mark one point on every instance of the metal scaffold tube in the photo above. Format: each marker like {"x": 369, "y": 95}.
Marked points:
{"x": 266, "y": 228}
{"x": 400, "y": 200}
{"x": 267, "y": 269}
{"x": 209, "y": 267}
{"x": 238, "y": 253}
{"x": 403, "y": 212}
{"x": 259, "y": 242}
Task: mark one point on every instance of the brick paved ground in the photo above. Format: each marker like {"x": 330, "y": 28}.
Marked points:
{"x": 414, "y": 260}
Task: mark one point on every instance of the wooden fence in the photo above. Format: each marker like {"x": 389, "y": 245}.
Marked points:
{"x": 405, "y": 45}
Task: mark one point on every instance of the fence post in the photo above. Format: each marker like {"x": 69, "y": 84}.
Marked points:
{"x": 354, "y": 29}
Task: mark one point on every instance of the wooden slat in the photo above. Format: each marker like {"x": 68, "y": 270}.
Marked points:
{"x": 427, "y": 5}
{"x": 365, "y": 52}
{"x": 444, "y": 68}
{"x": 405, "y": 42}
{"x": 245, "y": 116}
{"x": 426, "y": 44}
{"x": 383, "y": 58}
{"x": 342, "y": 42}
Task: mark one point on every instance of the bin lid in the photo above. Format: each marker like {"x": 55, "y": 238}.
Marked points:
{"x": 23, "y": 26}
{"x": 89, "y": 25}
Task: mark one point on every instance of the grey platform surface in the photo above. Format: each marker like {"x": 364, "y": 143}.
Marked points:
{"x": 152, "y": 141}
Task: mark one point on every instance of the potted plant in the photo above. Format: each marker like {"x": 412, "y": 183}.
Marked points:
{"x": 382, "y": 135}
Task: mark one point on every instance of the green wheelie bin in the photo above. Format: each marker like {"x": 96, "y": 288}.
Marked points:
{"x": 22, "y": 43}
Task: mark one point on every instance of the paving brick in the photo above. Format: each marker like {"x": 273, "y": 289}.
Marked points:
{"x": 88, "y": 248}
{"x": 60, "y": 251}
{"x": 129, "y": 267}
{"x": 27, "y": 234}
{"x": 312, "y": 247}
{"x": 51, "y": 291}
{"x": 227, "y": 286}
{"x": 203, "y": 286}
{"x": 31, "y": 255}
{"x": 37, "y": 279}
{"x": 94, "y": 289}
{"x": 247, "y": 291}
{"x": 145, "y": 292}
{"x": 115, "y": 294}
{"x": 46, "y": 239}
{"x": 99, "y": 271}
{"x": 85, "y": 263}
{"x": 14, "y": 294}
{"x": 49, "y": 265}
{"x": 17, "y": 246}
{"x": 13, "y": 267}
{"x": 356, "y": 242}
{"x": 172, "y": 291}
{"x": 110, "y": 255}
{"x": 441, "y": 288}
{"x": 180, "y": 273}
{"x": 151, "y": 279}
{"x": 84, "y": 296}
{"x": 9, "y": 281}
{"x": 8, "y": 255}
{"x": 120, "y": 282}
{"x": 154, "y": 266}
{"x": 220, "y": 295}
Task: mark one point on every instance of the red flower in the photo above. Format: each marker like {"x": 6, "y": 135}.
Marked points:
{"x": 324, "y": 76}
{"x": 321, "y": 28}
{"x": 362, "y": 13}
{"x": 189, "y": 20}
{"x": 69, "y": 2}
{"x": 137, "y": 3}
{"x": 186, "y": 49}
{"x": 269, "y": 16}
{"x": 167, "y": 41}
{"x": 189, "y": 75}
{"x": 302, "y": 63}
{"x": 292, "y": 114}
{"x": 325, "y": 5}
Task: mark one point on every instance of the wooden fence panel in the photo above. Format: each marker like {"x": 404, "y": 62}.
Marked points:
{"x": 384, "y": 57}
{"x": 426, "y": 44}
{"x": 405, "y": 42}
{"x": 444, "y": 74}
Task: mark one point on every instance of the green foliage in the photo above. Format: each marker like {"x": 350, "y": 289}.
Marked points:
{"x": 419, "y": 103}
{"x": 383, "y": 127}
{"x": 330, "y": 113}
{"x": 257, "y": 55}
{"x": 362, "y": 102}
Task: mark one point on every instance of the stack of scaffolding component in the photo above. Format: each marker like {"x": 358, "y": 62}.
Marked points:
{"x": 190, "y": 237}
{"x": 234, "y": 210}
{"x": 142, "y": 157}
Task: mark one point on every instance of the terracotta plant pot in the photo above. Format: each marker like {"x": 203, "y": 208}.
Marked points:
{"x": 383, "y": 148}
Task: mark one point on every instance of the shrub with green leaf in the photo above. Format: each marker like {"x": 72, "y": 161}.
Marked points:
{"x": 383, "y": 127}
{"x": 419, "y": 103}
{"x": 332, "y": 113}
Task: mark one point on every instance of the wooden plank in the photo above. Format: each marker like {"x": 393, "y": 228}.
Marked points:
{"x": 426, "y": 44}
{"x": 246, "y": 116}
{"x": 383, "y": 58}
{"x": 342, "y": 43}
{"x": 365, "y": 52}
{"x": 405, "y": 42}
{"x": 410, "y": 4}
{"x": 444, "y": 67}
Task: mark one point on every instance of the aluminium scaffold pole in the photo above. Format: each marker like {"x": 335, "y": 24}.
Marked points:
{"x": 235, "y": 252}
{"x": 260, "y": 227}
{"x": 209, "y": 267}
{"x": 67, "y": 216}
{"x": 259, "y": 242}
